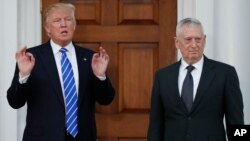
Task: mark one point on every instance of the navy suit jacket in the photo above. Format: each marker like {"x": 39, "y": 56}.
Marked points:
{"x": 218, "y": 95}
{"x": 45, "y": 119}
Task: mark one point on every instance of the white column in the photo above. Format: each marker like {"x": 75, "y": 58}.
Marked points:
{"x": 232, "y": 35}
{"x": 8, "y": 46}
{"x": 185, "y": 8}
{"x": 20, "y": 25}
{"x": 29, "y": 34}
{"x": 203, "y": 11}
{"x": 29, "y": 19}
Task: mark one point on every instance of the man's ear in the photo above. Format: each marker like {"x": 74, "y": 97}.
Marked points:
{"x": 205, "y": 39}
{"x": 176, "y": 41}
{"x": 46, "y": 28}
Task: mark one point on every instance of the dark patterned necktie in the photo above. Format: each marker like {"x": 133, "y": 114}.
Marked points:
{"x": 187, "y": 88}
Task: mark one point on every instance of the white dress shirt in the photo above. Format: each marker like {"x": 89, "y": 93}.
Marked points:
{"x": 71, "y": 54}
{"x": 196, "y": 74}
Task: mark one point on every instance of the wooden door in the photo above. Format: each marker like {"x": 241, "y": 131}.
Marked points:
{"x": 138, "y": 35}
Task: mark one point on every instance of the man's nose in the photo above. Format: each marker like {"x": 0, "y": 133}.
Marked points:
{"x": 194, "y": 43}
{"x": 63, "y": 22}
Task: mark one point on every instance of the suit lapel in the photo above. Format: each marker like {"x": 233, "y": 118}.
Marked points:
{"x": 49, "y": 63}
{"x": 174, "y": 79}
{"x": 205, "y": 80}
{"x": 175, "y": 94}
{"x": 82, "y": 61}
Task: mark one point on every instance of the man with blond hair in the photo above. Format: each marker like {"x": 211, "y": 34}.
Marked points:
{"x": 60, "y": 82}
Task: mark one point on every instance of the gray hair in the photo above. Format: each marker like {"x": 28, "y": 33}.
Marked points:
{"x": 190, "y": 22}
{"x": 59, "y": 6}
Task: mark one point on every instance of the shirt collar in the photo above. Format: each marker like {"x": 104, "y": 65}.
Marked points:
{"x": 56, "y": 48}
{"x": 198, "y": 65}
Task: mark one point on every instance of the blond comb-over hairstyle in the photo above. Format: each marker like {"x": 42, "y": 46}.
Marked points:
{"x": 59, "y": 6}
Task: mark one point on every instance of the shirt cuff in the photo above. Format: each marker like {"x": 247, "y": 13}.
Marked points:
{"x": 23, "y": 79}
{"x": 102, "y": 78}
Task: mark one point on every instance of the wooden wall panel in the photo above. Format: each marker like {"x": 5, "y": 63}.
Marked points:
{"x": 136, "y": 69}
{"x": 138, "y": 12}
{"x": 88, "y": 13}
{"x": 92, "y": 33}
{"x": 126, "y": 125}
{"x": 129, "y": 139}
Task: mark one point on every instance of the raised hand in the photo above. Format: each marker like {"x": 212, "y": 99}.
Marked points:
{"x": 25, "y": 61}
{"x": 100, "y": 62}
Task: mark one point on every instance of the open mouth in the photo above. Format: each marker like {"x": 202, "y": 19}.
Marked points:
{"x": 193, "y": 52}
{"x": 64, "y": 32}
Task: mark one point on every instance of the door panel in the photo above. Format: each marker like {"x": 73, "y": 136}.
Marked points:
{"x": 138, "y": 35}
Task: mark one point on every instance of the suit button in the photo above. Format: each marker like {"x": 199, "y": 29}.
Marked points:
{"x": 189, "y": 118}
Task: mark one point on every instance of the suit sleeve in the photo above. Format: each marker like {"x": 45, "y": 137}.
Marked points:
{"x": 156, "y": 122}
{"x": 17, "y": 93}
{"x": 103, "y": 91}
{"x": 233, "y": 100}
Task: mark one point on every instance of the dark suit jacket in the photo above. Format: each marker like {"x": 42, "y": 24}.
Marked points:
{"x": 218, "y": 95}
{"x": 45, "y": 119}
